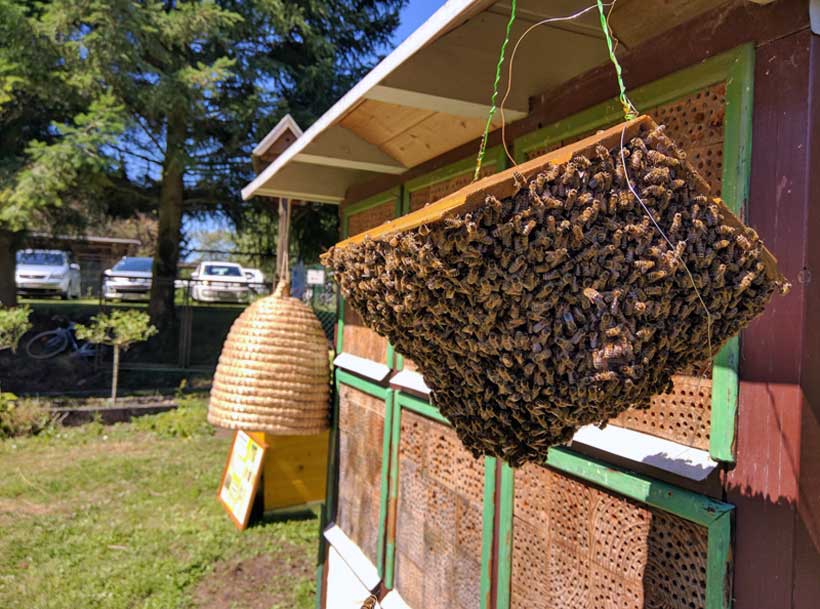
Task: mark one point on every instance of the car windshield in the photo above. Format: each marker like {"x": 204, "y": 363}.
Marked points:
{"x": 41, "y": 258}
{"x": 140, "y": 265}
{"x": 222, "y": 270}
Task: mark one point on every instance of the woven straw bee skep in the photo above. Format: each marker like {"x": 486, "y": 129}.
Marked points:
{"x": 273, "y": 373}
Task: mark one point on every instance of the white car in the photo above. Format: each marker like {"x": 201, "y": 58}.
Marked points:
{"x": 219, "y": 282}
{"x": 129, "y": 279}
{"x": 47, "y": 273}
{"x": 256, "y": 281}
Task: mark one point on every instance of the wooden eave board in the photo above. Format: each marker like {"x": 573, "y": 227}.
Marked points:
{"x": 635, "y": 21}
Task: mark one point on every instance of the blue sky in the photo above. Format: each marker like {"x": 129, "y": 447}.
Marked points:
{"x": 413, "y": 15}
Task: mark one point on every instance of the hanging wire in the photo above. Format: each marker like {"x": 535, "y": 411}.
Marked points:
{"x": 482, "y": 149}
{"x": 512, "y": 61}
{"x": 629, "y": 110}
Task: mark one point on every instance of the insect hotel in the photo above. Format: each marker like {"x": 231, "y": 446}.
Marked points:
{"x": 573, "y": 358}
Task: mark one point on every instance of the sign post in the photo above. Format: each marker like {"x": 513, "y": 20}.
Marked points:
{"x": 240, "y": 478}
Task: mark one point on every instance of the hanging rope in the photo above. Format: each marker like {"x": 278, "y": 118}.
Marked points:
{"x": 282, "y": 250}
{"x": 629, "y": 110}
{"x": 482, "y": 149}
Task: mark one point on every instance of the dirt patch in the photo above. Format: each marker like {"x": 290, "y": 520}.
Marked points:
{"x": 261, "y": 582}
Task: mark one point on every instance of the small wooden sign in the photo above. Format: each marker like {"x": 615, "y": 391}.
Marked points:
{"x": 240, "y": 478}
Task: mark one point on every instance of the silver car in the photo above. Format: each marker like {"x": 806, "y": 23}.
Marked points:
{"x": 129, "y": 279}
{"x": 219, "y": 282}
{"x": 47, "y": 273}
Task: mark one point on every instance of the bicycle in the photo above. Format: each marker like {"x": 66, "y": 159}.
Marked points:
{"x": 51, "y": 343}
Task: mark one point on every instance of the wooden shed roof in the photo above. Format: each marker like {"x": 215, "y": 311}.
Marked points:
{"x": 431, "y": 94}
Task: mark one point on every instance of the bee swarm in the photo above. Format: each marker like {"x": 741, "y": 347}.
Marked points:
{"x": 562, "y": 306}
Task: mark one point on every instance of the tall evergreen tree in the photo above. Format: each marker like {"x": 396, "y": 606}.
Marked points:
{"x": 191, "y": 85}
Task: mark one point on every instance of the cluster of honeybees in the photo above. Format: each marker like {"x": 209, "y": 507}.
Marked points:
{"x": 563, "y": 305}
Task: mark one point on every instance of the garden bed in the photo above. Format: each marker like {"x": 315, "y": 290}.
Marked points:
{"x": 125, "y": 410}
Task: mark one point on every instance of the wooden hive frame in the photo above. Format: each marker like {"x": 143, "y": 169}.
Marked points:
{"x": 506, "y": 183}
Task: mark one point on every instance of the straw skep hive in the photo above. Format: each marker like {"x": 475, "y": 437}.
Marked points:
{"x": 273, "y": 374}
{"x": 538, "y": 301}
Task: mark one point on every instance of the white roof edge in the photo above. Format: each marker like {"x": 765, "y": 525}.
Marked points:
{"x": 431, "y": 28}
{"x": 287, "y": 123}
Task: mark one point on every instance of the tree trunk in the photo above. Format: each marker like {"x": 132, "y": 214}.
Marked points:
{"x": 171, "y": 200}
{"x": 115, "y": 378}
{"x": 8, "y": 251}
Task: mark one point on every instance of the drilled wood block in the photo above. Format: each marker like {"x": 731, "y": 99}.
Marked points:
{"x": 468, "y": 525}
{"x": 466, "y": 581}
{"x": 409, "y": 580}
{"x": 604, "y": 551}
{"x": 361, "y": 425}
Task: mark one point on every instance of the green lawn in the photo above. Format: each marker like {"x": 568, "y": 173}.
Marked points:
{"x": 126, "y": 517}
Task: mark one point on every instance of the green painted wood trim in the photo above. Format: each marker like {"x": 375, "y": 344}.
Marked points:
{"x": 718, "y": 565}
{"x": 340, "y": 323}
{"x": 391, "y": 356}
{"x": 505, "y": 535}
{"x": 393, "y": 494}
{"x": 737, "y": 167}
{"x": 488, "y": 533}
{"x": 320, "y": 581}
{"x": 421, "y": 407}
{"x": 659, "y": 92}
{"x": 385, "y": 482}
{"x": 725, "y": 390}
{"x": 357, "y": 382}
{"x": 691, "y": 506}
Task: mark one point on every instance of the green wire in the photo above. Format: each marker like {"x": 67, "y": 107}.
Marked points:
{"x": 483, "y": 148}
{"x": 629, "y": 109}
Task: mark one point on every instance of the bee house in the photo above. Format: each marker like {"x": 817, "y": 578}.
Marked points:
{"x": 541, "y": 398}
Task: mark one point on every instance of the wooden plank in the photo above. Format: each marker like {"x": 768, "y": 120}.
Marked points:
{"x": 718, "y": 563}
{"x": 378, "y": 122}
{"x": 634, "y": 21}
{"x": 807, "y": 529}
{"x": 378, "y": 391}
{"x": 737, "y": 166}
{"x": 488, "y": 532}
{"x": 295, "y": 470}
{"x": 432, "y": 136}
{"x": 765, "y": 484}
{"x": 505, "y": 536}
{"x": 389, "y": 404}
{"x": 421, "y": 407}
{"x": 392, "y": 497}
{"x": 691, "y": 506}
{"x": 500, "y": 185}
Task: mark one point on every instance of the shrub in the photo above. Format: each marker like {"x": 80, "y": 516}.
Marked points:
{"x": 22, "y": 417}
{"x": 13, "y": 324}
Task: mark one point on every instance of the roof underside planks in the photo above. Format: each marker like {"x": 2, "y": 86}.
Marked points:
{"x": 432, "y": 93}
